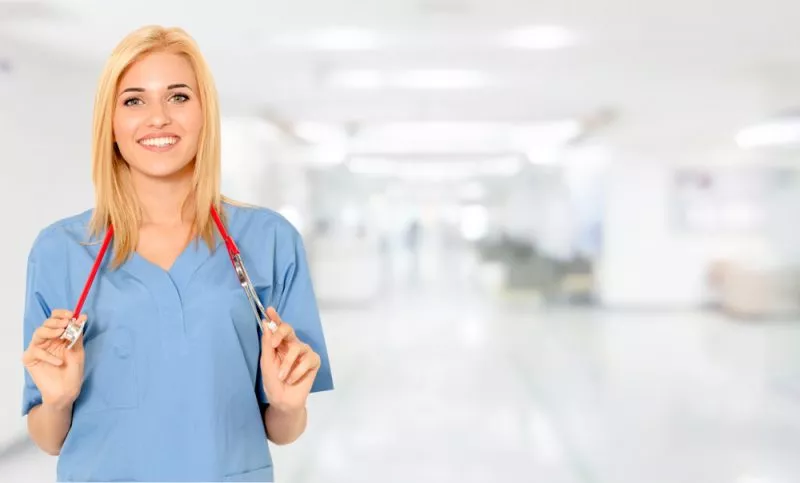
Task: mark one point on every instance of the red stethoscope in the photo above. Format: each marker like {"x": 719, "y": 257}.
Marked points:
{"x": 74, "y": 329}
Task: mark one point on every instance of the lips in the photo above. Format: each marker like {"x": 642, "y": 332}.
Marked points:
{"x": 159, "y": 141}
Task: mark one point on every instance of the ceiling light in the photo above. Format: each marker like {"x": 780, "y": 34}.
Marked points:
{"x": 483, "y": 137}
{"x": 500, "y": 166}
{"x": 779, "y": 132}
{"x": 544, "y": 156}
{"x": 541, "y": 37}
{"x": 329, "y": 154}
{"x": 357, "y": 79}
{"x": 751, "y": 479}
{"x": 344, "y": 38}
{"x": 408, "y": 79}
{"x": 318, "y": 133}
{"x": 545, "y": 133}
{"x": 439, "y": 79}
{"x": 433, "y": 169}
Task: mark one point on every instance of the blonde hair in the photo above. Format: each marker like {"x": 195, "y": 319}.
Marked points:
{"x": 115, "y": 201}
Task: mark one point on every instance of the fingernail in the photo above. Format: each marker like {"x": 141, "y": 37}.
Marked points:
{"x": 282, "y": 375}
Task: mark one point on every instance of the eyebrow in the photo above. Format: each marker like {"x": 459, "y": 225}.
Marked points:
{"x": 141, "y": 89}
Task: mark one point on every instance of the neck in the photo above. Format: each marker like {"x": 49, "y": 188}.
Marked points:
{"x": 163, "y": 200}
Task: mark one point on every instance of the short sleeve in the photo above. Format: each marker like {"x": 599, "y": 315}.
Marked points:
{"x": 36, "y": 311}
{"x": 296, "y": 303}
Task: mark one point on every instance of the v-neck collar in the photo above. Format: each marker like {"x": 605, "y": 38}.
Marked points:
{"x": 191, "y": 258}
{"x": 188, "y": 261}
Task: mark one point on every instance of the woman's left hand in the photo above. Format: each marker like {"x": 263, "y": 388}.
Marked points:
{"x": 288, "y": 366}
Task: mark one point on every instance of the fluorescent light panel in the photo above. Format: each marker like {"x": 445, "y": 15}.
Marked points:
{"x": 434, "y": 169}
{"x": 540, "y": 37}
{"x": 444, "y": 137}
{"x": 781, "y": 132}
{"x": 350, "y": 38}
{"x": 332, "y": 39}
{"x": 408, "y": 79}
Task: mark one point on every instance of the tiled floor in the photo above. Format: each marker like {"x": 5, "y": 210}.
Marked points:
{"x": 443, "y": 383}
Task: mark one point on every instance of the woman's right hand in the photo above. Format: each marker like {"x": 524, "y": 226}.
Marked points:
{"x": 56, "y": 370}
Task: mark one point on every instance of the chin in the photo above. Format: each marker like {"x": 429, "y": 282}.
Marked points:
{"x": 164, "y": 170}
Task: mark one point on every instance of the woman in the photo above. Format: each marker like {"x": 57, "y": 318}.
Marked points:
{"x": 173, "y": 379}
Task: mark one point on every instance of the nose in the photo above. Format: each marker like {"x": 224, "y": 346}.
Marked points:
{"x": 159, "y": 115}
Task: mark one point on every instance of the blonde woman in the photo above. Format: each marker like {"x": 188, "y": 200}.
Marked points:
{"x": 173, "y": 378}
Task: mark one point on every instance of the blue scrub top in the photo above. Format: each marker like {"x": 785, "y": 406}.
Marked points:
{"x": 172, "y": 388}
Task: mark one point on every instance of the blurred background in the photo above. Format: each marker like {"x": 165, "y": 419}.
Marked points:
{"x": 552, "y": 241}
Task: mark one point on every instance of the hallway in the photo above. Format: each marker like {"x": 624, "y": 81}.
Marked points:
{"x": 444, "y": 383}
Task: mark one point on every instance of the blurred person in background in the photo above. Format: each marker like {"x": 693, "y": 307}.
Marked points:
{"x": 172, "y": 378}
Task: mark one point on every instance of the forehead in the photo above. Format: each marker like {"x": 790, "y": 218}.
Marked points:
{"x": 158, "y": 70}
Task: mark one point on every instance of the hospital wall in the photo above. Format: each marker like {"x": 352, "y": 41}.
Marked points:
{"x": 45, "y": 127}
{"x": 647, "y": 261}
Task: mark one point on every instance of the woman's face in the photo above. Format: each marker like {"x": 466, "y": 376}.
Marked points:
{"x": 158, "y": 117}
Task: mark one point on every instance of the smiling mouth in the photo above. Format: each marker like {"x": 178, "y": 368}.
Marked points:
{"x": 160, "y": 142}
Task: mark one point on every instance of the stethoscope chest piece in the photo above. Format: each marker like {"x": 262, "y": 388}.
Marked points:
{"x": 72, "y": 333}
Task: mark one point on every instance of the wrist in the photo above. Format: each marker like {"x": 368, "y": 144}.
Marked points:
{"x": 284, "y": 424}
{"x": 58, "y": 407}
{"x": 61, "y": 403}
{"x": 286, "y": 410}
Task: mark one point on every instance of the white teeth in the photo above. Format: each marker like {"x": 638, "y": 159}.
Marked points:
{"x": 159, "y": 142}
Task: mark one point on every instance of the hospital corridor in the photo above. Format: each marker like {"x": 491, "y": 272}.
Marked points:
{"x": 438, "y": 381}
{"x": 550, "y": 241}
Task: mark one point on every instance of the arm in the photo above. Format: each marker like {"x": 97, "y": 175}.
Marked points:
{"x": 295, "y": 302}
{"x": 48, "y": 421}
{"x": 284, "y": 427}
{"x": 48, "y": 426}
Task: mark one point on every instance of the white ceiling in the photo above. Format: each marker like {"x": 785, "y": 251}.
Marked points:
{"x": 677, "y": 76}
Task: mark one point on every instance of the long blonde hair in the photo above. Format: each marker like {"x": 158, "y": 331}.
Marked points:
{"x": 115, "y": 201}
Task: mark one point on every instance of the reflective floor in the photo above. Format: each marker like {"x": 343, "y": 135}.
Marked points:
{"x": 440, "y": 380}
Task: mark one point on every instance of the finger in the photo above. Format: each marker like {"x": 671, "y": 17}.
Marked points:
{"x": 61, "y": 314}
{"x": 272, "y": 326}
{"x": 56, "y": 323}
{"x": 36, "y": 354}
{"x": 272, "y": 320}
{"x": 309, "y": 363}
{"x": 285, "y": 332}
{"x": 44, "y": 334}
{"x": 295, "y": 351}
{"x": 273, "y": 315}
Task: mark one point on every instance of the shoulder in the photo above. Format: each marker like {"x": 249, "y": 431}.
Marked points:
{"x": 60, "y": 234}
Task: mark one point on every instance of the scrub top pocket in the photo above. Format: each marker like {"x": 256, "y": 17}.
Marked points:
{"x": 110, "y": 378}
